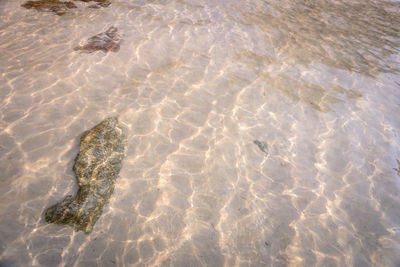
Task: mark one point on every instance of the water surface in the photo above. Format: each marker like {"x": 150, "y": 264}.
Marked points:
{"x": 196, "y": 83}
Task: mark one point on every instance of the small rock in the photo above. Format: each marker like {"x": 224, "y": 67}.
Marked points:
{"x": 55, "y": 6}
{"x": 263, "y": 146}
{"x": 98, "y": 3}
{"x": 105, "y": 41}
{"x": 398, "y": 168}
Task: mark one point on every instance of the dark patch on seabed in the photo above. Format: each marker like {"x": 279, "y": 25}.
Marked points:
{"x": 105, "y": 41}
{"x": 263, "y": 146}
{"x": 398, "y": 167}
{"x": 96, "y": 167}
{"x": 61, "y": 7}
{"x": 55, "y": 6}
{"x": 98, "y": 3}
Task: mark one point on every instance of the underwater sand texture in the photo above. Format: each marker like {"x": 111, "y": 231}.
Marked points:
{"x": 196, "y": 82}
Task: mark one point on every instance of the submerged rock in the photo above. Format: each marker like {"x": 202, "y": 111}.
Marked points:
{"x": 263, "y": 146}
{"x": 96, "y": 167}
{"x": 56, "y": 6}
{"x": 105, "y": 41}
{"x": 98, "y": 3}
{"x": 61, "y": 7}
{"x": 398, "y": 168}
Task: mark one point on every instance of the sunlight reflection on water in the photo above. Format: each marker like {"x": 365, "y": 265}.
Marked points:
{"x": 197, "y": 82}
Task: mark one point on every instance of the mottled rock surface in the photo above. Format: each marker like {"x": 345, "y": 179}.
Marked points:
{"x": 96, "y": 167}
{"x": 97, "y": 3}
{"x": 105, "y": 41}
{"x": 56, "y": 6}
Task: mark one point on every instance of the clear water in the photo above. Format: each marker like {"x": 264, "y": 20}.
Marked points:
{"x": 197, "y": 82}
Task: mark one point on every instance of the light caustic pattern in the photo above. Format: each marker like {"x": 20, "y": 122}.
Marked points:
{"x": 316, "y": 83}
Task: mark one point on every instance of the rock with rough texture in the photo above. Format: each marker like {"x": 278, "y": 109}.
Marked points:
{"x": 96, "y": 167}
{"x": 105, "y": 41}
{"x": 56, "y": 6}
{"x": 98, "y": 3}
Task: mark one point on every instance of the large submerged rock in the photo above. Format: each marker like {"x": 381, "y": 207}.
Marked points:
{"x": 96, "y": 167}
{"x": 105, "y": 41}
{"x": 56, "y": 6}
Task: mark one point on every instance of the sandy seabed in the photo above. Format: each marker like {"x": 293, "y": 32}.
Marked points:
{"x": 196, "y": 83}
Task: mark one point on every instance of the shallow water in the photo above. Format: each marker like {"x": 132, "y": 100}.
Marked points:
{"x": 196, "y": 83}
